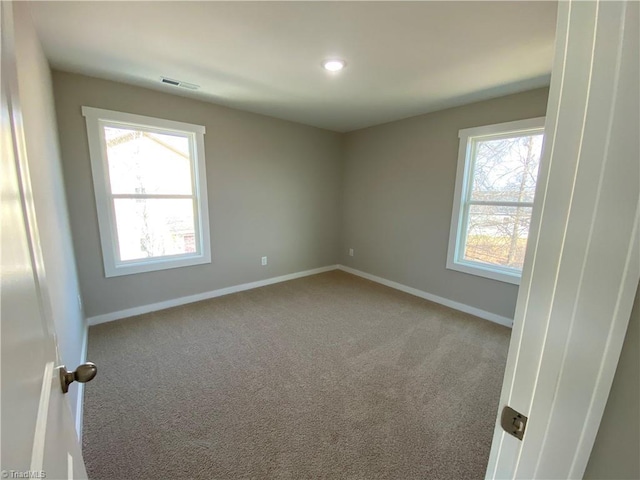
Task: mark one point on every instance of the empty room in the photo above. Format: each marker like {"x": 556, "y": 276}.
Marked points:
{"x": 295, "y": 240}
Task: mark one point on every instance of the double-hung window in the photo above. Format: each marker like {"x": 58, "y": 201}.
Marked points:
{"x": 150, "y": 188}
{"x": 494, "y": 195}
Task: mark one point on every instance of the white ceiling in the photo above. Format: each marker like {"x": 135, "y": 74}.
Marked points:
{"x": 404, "y": 58}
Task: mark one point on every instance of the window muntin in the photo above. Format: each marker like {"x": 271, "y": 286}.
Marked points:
{"x": 495, "y": 189}
{"x": 149, "y": 180}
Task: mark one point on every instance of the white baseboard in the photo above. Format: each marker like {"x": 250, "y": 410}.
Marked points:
{"x": 80, "y": 399}
{"x": 492, "y": 317}
{"x": 130, "y": 312}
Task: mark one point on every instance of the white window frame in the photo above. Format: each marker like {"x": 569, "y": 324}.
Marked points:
{"x": 96, "y": 120}
{"x": 461, "y": 203}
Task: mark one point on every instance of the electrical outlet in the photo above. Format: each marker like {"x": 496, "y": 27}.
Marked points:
{"x": 264, "y": 261}
{"x": 351, "y": 252}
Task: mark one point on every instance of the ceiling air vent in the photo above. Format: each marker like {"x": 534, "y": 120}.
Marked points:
{"x": 178, "y": 83}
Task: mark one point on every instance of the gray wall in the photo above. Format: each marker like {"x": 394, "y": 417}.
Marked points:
{"x": 398, "y": 195}
{"x": 41, "y": 136}
{"x": 273, "y": 186}
{"x": 300, "y": 195}
{"x": 616, "y": 452}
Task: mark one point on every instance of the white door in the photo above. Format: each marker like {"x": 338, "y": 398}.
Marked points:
{"x": 38, "y": 435}
{"x": 583, "y": 260}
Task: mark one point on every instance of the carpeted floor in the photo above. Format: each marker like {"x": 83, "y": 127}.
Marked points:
{"x": 329, "y": 376}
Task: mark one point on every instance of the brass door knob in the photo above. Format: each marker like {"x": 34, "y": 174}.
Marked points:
{"x": 83, "y": 374}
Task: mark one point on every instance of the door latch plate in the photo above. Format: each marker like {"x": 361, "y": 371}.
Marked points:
{"x": 513, "y": 422}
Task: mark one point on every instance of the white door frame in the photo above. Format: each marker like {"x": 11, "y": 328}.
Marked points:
{"x": 583, "y": 259}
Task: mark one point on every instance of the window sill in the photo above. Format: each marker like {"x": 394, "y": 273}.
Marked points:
{"x": 485, "y": 271}
{"x": 155, "y": 265}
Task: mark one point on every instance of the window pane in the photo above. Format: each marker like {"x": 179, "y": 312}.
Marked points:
{"x": 506, "y": 169}
{"x": 144, "y": 162}
{"x": 497, "y": 235}
{"x": 154, "y": 227}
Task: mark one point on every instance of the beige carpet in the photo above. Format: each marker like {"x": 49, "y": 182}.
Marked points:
{"x": 329, "y": 376}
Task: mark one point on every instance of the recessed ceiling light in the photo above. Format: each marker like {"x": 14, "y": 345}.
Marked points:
{"x": 334, "y": 65}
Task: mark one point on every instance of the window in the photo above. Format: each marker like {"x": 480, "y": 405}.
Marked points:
{"x": 150, "y": 187}
{"x": 494, "y": 195}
